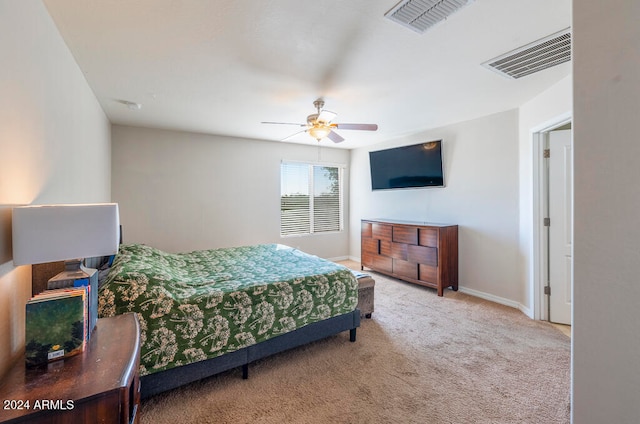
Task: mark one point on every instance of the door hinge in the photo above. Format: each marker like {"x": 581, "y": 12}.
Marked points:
{"x": 547, "y": 222}
{"x": 547, "y": 290}
{"x": 546, "y": 153}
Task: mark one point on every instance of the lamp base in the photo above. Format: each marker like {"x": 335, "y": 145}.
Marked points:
{"x": 73, "y": 270}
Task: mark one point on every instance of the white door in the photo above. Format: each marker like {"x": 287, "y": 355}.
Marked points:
{"x": 560, "y": 229}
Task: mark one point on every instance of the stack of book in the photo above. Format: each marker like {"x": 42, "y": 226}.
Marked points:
{"x": 57, "y": 324}
{"x": 87, "y": 277}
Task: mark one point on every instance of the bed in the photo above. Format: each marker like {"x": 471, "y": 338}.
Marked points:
{"x": 209, "y": 311}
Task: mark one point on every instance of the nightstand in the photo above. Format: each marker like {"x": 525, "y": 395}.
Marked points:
{"x": 101, "y": 385}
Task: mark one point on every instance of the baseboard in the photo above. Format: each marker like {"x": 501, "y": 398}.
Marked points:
{"x": 482, "y": 295}
{"x": 527, "y": 311}
{"x": 496, "y": 299}
{"x": 338, "y": 258}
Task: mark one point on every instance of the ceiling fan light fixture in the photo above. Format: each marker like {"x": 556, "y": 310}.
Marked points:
{"x": 319, "y": 132}
{"x": 320, "y": 125}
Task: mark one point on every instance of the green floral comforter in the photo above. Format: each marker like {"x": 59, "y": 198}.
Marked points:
{"x": 202, "y": 304}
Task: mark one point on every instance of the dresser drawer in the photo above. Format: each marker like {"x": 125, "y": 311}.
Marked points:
{"x": 399, "y": 251}
{"x": 381, "y": 231}
{"x": 402, "y": 234}
{"x": 428, "y": 237}
{"x": 428, "y": 273}
{"x": 382, "y": 263}
{"x": 369, "y": 246}
{"x": 385, "y": 248}
{"x": 365, "y": 229}
{"x": 423, "y": 255}
{"x": 405, "y": 269}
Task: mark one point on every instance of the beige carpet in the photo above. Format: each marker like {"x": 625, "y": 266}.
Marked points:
{"x": 420, "y": 359}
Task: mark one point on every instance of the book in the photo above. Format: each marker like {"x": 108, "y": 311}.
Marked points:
{"x": 56, "y": 325}
{"x": 91, "y": 284}
{"x": 82, "y": 277}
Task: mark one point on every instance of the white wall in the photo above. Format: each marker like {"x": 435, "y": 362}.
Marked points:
{"x": 54, "y": 142}
{"x": 182, "y": 191}
{"x": 481, "y": 196}
{"x": 606, "y": 314}
{"x": 545, "y": 109}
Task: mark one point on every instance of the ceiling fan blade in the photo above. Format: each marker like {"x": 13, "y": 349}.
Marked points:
{"x": 293, "y": 135}
{"x": 326, "y": 116}
{"x": 335, "y": 137}
{"x": 363, "y": 127}
{"x": 283, "y": 123}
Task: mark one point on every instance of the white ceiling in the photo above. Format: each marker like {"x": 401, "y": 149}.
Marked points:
{"x": 223, "y": 66}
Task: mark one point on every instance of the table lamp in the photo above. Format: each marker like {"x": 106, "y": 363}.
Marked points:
{"x": 70, "y": 232}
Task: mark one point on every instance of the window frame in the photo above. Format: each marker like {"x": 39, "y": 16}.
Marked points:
{"x": 310, "y": 172}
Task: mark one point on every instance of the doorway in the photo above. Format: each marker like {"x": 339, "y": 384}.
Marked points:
{"x": 552, "y": 221}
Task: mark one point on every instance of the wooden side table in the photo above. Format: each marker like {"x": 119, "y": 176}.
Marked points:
{"x": 101, "y": 385}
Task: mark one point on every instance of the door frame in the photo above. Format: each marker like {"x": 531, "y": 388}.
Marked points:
{"x": 540, "y": 265}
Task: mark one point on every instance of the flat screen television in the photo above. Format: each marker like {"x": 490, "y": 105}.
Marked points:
{"x": 415, "y": 166}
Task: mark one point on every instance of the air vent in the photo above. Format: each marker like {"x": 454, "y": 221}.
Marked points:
{"x": 542, "y": 54}
{"x": 420, "y": 15}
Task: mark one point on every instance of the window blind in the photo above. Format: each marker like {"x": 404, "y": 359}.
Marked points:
{"x": 310, "y": 198}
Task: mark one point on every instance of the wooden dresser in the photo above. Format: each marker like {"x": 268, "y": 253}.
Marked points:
{"x": 100, "y": 385}
{"x": 418, "y": 252}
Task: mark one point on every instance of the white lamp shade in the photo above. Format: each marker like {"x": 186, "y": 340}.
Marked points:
{"x": 49, "y": 233}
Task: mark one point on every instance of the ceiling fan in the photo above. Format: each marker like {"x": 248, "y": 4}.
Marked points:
{"x": 319, "y": 125}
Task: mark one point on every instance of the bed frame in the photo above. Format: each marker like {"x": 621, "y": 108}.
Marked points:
{"x": 161, "y": 381}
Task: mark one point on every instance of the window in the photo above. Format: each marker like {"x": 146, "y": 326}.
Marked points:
{"x": 310, "y": 198}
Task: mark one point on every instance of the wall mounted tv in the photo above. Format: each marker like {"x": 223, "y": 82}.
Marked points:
{"x": 416, "y": 166}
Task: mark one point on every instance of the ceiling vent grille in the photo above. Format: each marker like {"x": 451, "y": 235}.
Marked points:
{"x": 534, "y": 57}
{"x": 420, "y": 15}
